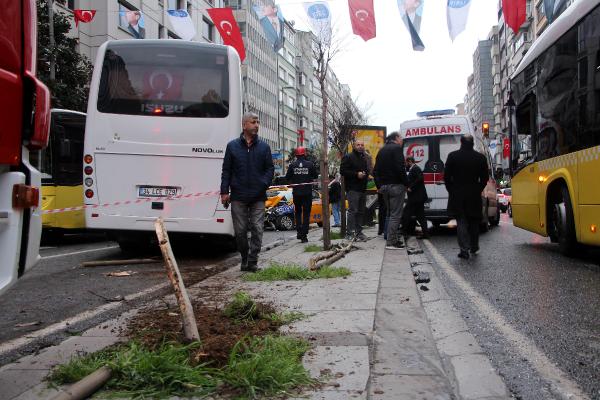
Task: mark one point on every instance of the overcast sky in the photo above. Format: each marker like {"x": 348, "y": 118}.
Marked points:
{"x": 386, "y": 73}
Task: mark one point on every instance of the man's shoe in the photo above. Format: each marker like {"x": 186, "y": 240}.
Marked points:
{"x": 395, "y": 246}
{"x": 304, "y": 240}
{"x": 252, "y": 268}
{"x": 361, "y": 237}
{"x": 349, "y": 238}
{"x": 298, "y": 236}
{"x": 464, "y": 254}
{"x": 335, "y": 225}
{"x": 474, "y": 250}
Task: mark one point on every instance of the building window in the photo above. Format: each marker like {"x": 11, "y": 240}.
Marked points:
{"x": 175, "y": 5}
{"x": 161, "y": 31}
{"x": 71, "y": 4}
{"x": 302, "y": 78}
{"x": 207, "y": 29}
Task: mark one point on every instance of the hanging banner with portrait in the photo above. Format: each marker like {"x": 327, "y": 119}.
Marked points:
{"x": 411, "y": 12}
{"x": 272, "y": 23}
{"x": 132, "y": 21}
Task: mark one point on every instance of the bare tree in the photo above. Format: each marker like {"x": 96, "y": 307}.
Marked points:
{"x": 341, "y": 128}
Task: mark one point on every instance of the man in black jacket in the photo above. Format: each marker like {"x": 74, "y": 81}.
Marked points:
{"x": 354, "y": 168}
{"x": 416, "y": 198}
{"x": 465, "y": 176}
{"x": 247, "y": 171}
{"x": 390, "y": 178}
{"x": 302, "y": 171}
{"x": 335, "y": 197}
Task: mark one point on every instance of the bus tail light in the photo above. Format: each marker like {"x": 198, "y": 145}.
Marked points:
{"x": 593, "y": 228}
{"x": 89, "y": 193}
{"x": 25, "y": 196}
{"x": 88, "y": 170}
{"x": 88, "y": 159}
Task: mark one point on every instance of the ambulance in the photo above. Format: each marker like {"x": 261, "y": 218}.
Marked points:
{"x": 429, "y": 140}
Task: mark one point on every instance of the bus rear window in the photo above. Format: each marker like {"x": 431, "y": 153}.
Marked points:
{"x": 160, "y": 80}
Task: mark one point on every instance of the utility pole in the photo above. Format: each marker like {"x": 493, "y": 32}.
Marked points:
{"x": 51, "y": 35}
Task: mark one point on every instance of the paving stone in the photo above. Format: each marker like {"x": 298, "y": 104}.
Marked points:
{"x": 477, "y": 378}
{"x": 409, "y": 387}
{"x": 459, "y": 343}
{"x": 329, "y": 301}
{"x": 40, "y": 391}
{"x": 444, "y": 318}
{"x": 333, "y": 395}
{"x": 15, "y": 382}
{"x": 341, "y": 367}
{"x": 334, "y": 321}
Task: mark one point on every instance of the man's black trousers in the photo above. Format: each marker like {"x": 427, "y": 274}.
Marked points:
{"x": 302, "y": 205}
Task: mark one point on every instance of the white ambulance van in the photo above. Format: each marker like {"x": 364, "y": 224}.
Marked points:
{"x": 429, "y": 140}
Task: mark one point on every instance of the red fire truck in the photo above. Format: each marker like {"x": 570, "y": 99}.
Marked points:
{"x": 24, "y": 127}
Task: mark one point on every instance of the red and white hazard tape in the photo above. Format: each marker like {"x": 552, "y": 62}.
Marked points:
{"x": 147, "y": 199}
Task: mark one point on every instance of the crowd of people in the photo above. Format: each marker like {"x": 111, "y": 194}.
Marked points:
{"x": 248, "y": 171}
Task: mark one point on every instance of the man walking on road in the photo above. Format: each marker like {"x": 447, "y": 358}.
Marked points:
{"x": 416, "y": 198}
{"x": 335, "y": 197}
{"x": 354, "y": 168}
{"x": 247, "y": 172}
{"x": 390, "y": 178}
{"x": 302, "y": 171}
{"x": 465, "y": 176}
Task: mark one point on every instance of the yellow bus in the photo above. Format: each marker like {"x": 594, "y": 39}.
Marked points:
{"x": 62, "y": 179}
{"x": 555, "y": 132}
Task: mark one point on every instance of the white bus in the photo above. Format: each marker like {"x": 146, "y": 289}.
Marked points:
{"x": 159, "y": 117}
{"x": 429, "y": 140}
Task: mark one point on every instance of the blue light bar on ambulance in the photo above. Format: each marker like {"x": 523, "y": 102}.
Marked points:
{"x": 435, "y": 113}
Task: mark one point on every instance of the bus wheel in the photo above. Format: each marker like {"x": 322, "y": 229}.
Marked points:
{"x": 562, "y": 226}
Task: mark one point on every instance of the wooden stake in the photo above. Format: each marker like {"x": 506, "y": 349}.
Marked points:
{"x": 190, "y": 330}
{"x": 329, "y": 257}
{"x": 86, "y": 386}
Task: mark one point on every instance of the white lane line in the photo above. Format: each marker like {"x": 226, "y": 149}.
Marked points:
{"x": 79, "y": 252}
{"x": 24, "y": 340}
{"x": 559, "y": 382}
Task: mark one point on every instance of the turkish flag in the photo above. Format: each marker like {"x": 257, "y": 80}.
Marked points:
{"x": 362, "y": 16}
{"x": 506, "y": 148}
{"x": 515, "y": 12}
{"x": 228, "y": 28}
{"x": 161, "y": 84}
{"x": 84, "y": 16}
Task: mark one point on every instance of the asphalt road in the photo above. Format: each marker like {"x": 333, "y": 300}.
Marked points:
{"x": 543, "y": 304}
{"x": 59, "y": 289}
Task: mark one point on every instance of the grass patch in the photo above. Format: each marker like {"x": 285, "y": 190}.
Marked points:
{"x": 242, "y": 307}
{"x": 286, "y": 318}
{"x": 268, "y": 365}
{"x": 311, "y": 248}
{"x": 288, "y": 272}
{"x": 335, "y": 235}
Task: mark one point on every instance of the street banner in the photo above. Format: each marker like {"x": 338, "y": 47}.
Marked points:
{"x": 506, "y": 149}
{"x": 457, "y": 13}
{"x": 515, "y": 13}
{"x": 277, "y": 163}
{"x": 182, "y": 24}
{"x": 228, "y": 28}
{"x": 362, "y": 16}
{"x": 493, "y": 148}
{"x": 411, "y": 12}
{"x": 133, "y": 22}
{"x": 319, "y": 17}
{"x": 83, "y": 16}
{"x": 273, "y": 24}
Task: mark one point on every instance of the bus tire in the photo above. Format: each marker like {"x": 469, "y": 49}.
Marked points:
{"x": 562, "y": 223}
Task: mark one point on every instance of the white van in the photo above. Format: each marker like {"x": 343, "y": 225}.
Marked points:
{"x": 429, "y": 140}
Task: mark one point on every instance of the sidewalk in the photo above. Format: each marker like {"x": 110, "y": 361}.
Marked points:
{"x": 375, "y": 334}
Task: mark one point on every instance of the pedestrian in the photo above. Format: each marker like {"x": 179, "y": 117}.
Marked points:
{"x": 465, "y": 176}
{"x": 390, "y": 176}
{"x": 247, "y": 172}
{"x": 415, "y": 201}
{"x": 354, "y": 169}
{"x": 335, "y": 197}
{"x": 302, "y": 172}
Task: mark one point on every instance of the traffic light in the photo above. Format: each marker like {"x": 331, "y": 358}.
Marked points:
{"x": 485, "y": 128}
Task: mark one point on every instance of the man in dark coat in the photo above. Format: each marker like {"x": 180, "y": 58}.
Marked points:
{"x": 247, "y": 171}
{"x": 302, "y": 171}
{"x": 355, "y": 170}
{"x": 416, "y": 198}
{"x": 465, "y": 176}
{"x": 390, "y": 178}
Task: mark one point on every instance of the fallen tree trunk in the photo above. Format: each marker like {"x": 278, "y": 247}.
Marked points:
{"x": 87, "y": 386}
{"x": 190, "y": 329}
{"x": 119, "y": 262}
{"x": 328, "y": 257}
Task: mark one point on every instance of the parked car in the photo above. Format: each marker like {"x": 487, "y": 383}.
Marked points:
{"x": 505, "y": 200}
{"x": 280, "y": 209}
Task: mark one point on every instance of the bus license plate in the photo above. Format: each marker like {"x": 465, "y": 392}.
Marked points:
{"x": 153, "y": 191}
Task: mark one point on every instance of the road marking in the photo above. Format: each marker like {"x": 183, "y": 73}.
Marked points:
{"x": 54, "y": 328}
{"x": 559, "y": 382}
{"x": 79, "y": 252}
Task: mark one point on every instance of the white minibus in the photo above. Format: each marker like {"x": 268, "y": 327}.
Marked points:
{"x": 429, "y": 140}
{"x": 160, "y": 115}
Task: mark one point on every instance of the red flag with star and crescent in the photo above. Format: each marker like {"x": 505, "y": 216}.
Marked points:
{"x": 515, "y": 13}
{"x": 228, "y": 28}
{"x": 84, "y": 16}
{"x": 362, "y": 16}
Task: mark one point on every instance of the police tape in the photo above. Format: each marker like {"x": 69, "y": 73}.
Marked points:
{"x": 149, "y": 199}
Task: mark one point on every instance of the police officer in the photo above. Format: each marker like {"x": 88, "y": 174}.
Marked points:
{"x": 302, "y": 171}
